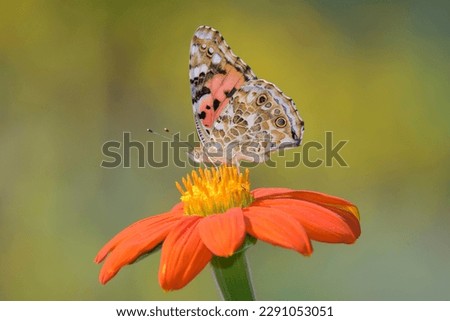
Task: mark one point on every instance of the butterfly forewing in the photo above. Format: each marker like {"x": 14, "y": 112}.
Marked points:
{"x": 215, "y": 74}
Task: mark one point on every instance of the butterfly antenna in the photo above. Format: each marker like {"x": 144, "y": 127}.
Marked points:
{"x": 151, "y": 131}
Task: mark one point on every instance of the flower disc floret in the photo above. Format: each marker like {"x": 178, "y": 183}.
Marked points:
{"x": 214, "y": 191}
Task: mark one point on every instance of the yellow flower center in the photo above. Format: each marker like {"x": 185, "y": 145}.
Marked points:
{"x": 212, "y": 191}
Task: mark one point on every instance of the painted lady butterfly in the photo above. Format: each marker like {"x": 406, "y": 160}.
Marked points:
{"x": 237, "y": 116}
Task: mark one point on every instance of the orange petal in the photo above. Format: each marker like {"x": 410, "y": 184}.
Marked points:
{"x": 133, "y": 241}
{"x": 322, "y": 199}
{"x": 321, "y": 223}
{"x": 136, "y": 228}
{"x": 275, "y": 227}
{"x": 223, "y": 233}
{"x": 183, "y": 254}
{"x": 178, "y": 207}
{"x": 266, "y": 192}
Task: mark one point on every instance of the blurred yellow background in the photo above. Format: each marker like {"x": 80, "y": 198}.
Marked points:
{"x": 74, "y": 75}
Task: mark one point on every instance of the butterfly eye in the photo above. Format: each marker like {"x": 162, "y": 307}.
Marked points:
{"x": 280, "y": 122}
{"x": 261, "y": 100}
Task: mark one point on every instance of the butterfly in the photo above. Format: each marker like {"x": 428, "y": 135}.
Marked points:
{"x": 238, "y": 117}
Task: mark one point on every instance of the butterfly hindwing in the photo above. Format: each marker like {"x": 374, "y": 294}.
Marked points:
{"x": 258, "y": 119}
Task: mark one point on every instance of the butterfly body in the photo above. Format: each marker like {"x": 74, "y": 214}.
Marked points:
{"x": 237, "y": 116}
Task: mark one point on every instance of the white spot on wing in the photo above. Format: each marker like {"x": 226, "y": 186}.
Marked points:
{"x": 219, "y": 126}
{"x": 251, "y": 120}
{"x": 203, "y": 68}
{"x": 194, "y": 50}
{"x": 216, "y": 59}
{"x": 204, "y": 34}
{"x": 195, "y": 72}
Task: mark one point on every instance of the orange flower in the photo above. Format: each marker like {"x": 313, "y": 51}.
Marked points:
{"x": 216, "y": 213}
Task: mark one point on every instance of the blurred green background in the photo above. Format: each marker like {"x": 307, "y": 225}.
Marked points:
{"x": 75, "y": 74}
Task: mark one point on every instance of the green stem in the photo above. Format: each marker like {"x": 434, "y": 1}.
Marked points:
{"x": 233, "y": 277}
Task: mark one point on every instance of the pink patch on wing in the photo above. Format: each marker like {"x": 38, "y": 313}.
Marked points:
{"x": 219, "y": 84}
{"x": 207, "y": 100}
